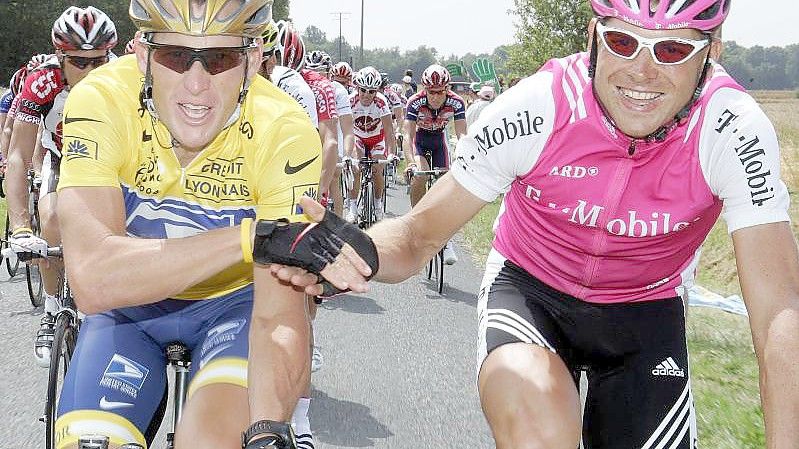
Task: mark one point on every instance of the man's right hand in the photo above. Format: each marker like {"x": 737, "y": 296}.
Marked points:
{"x": 347, "y": 272}
{"x": 27, "y": 246}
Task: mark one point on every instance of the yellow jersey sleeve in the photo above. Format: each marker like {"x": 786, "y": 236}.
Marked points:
{"x": 290, "y": 170}
{"x": 93, "y": 141}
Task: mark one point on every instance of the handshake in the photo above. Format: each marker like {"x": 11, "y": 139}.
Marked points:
{"x": 312, "y": 247}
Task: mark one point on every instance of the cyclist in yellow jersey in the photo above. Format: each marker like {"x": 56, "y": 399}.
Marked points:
{"x": 169, "y": 155}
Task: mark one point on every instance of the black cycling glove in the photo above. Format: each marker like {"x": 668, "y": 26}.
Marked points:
{"x": 311, "y": 246}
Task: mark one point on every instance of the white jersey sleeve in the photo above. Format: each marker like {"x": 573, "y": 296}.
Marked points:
{"x": 291, "y": 82}
{"x": 507, "y": 139}
{"x": 740, "y": 159}
{"x": 343, "y": 106}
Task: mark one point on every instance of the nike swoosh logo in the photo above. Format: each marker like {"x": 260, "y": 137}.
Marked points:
{"x": 291, "y": 170}
{"x": 111, "y": 405}
{"x": 68, "y": 120}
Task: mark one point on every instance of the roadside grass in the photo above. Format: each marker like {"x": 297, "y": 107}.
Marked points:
{"x": 724, "y": 372}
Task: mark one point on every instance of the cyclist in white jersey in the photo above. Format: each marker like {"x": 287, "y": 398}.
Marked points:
{"x": 616, "y": 163}
{"x": 288, "y": 80}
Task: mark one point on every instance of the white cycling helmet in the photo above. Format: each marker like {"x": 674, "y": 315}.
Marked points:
{"x": 84, "y": 29}
{"x": 367, "y": 78}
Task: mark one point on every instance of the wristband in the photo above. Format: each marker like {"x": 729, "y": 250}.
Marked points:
{"x": 21, "y": 230}
{"x": 246, "y": 243}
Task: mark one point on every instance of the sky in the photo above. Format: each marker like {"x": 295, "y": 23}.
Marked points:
{"x": 478, "y": 26}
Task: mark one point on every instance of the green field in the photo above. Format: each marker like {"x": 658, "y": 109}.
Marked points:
{"x": 723, "y": 365}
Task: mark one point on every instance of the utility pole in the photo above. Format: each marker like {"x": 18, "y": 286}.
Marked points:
{"x": 341, "y": 18}
{"x": 361, "y": 60}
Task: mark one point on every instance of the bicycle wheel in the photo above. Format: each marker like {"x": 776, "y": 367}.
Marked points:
{"x": 64, "y": 341}
{"x": 33, "y": 275}
{"x": 440, "y": 270}
{"x": 12, "y": 268}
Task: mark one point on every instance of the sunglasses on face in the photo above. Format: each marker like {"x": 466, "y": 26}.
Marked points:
{"x": 367, "y": 91}
{"x": 437, "y": 92}
{"x": 81, "y": 62}
{"x": 215, "y": 60}
{"x": 664, "y": 50}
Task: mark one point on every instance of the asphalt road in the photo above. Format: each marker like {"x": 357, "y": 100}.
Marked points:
{"x": 399, "y": 369}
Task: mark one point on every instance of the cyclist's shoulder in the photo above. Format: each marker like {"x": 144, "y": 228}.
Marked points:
{"x": 268, "y": 105}
{"x": 119, "y": 82}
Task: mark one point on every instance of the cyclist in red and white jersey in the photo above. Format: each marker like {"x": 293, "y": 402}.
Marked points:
{"x": 291, "y": 52}
{"x": 320, "y": 62}
{"x": 374, "y": 132}
{"x": 615, "y": 165}
{"x": 8, "y": 108}
{"x": 395, "y": 101}
{"x": 83, "y": 39}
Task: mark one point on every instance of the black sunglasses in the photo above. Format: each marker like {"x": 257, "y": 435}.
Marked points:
{"x": 81, "y": 62}
{"x": 215, "y": 60}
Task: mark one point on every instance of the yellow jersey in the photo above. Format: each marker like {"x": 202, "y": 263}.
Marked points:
{"x": 258, "y": 167}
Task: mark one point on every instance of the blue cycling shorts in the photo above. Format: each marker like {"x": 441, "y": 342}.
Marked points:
{"x": 117, "y": 377}
{"x": 436, "y": 144}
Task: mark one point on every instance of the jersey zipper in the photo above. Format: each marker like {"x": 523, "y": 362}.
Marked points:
{"x": 599, "y": 242}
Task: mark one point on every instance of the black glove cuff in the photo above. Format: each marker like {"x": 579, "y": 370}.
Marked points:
{"x": 266, "y": 434}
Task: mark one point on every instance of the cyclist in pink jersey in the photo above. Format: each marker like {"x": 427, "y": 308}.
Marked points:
{"x": 615, "y": 165}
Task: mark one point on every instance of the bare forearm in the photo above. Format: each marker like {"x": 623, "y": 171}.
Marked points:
{"x": 120, "y": 271}
{"x": 395, "y": 242}
{"x": 330, "y": 157}
{"x": 279, "y": 367}
{"x": 17, "y": 190}
{"x": 779, "y": 380}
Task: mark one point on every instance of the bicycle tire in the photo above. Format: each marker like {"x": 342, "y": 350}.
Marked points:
{"x": 33, "y": 275}
{"x": 12, "y": 268}
{"x": 430, "y": 269}
{"x": 64, "y": 340}
{"x": 369, "y": 206}
{"x": 440, "y": 272}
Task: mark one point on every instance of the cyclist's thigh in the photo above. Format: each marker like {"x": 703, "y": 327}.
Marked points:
{"x": 509, "y": 314}
{"x": 217, "y": 409}
{"x": 220, "y": 355}
{"x": 114, "y": 384}
{"x": 434, "y": 143}
{"x": 50, "y": 173}
{"x": 641, "y": 397}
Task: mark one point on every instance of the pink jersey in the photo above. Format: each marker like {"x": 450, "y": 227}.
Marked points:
{"x": 367, "y": 120}
{"x": 324, "y": 92}
{"x": 42, "y": 100}
{"x": 589, "y": 218}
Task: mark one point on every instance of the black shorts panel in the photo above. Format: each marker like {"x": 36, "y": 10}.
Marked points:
{"x": 634, "y": 355}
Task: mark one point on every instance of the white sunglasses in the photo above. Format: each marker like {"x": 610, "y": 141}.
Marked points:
{"x": 664, "y": 50}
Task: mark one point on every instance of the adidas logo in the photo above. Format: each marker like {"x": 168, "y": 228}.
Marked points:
{"x": 668, "y": 368}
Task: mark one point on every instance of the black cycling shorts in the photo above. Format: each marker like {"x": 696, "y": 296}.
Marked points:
{"x": 634, "y": 355}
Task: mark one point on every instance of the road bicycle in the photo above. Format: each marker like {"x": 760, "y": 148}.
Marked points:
{"x": 367, "y": 215}
{"x": 435, "y": 267}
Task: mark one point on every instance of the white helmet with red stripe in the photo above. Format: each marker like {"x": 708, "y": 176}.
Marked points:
{"x": 436, "y": 76}
{"x": 84, "y": 29}
{"x": 367, "y": 78}
{"x": 290, "y": 49}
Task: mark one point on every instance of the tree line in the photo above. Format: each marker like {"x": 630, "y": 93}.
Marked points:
{"x": 544, "y": 29}
{"x": 27, "y": 24}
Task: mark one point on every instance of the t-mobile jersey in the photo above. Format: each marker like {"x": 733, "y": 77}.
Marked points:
{"x": 605, "y": 218}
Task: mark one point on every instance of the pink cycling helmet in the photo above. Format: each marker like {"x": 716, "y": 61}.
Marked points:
{"x": 704, "y": 15}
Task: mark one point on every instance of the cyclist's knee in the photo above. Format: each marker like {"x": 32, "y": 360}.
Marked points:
{"x": 529, "y": 398}
{"x": 214, "y": 418}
